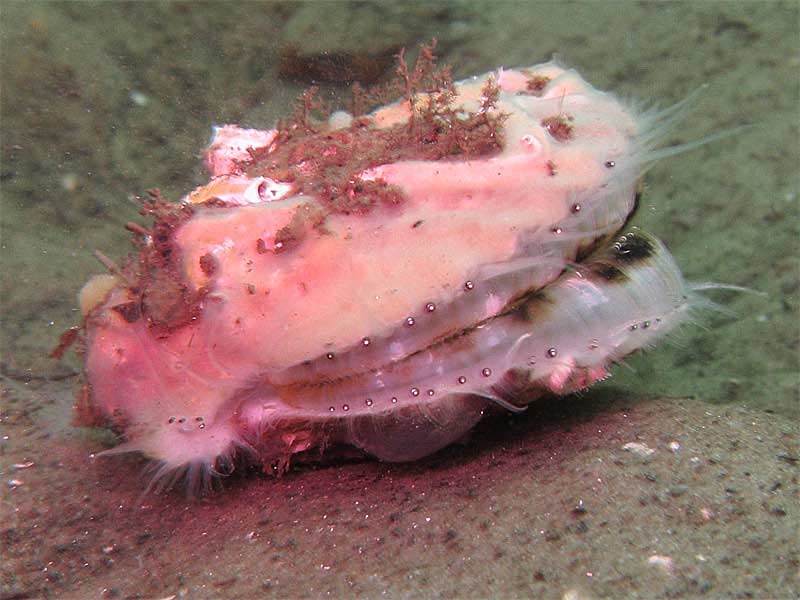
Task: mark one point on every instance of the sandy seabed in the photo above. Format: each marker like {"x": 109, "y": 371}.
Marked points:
{"x": 102, "y": 101}
{"x": 604, "y": 496}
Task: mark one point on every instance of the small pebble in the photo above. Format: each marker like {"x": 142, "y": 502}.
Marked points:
{"x": 662, "y": 562}
{"x": 138, "y": 98}
{"x": 638, "y": 449}
{"x": 678, "y": 490}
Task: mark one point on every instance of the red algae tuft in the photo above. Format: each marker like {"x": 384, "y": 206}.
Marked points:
{"x": 326, "y": 162}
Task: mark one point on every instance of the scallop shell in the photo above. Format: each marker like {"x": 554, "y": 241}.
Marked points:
{"x": 381, "y": 281}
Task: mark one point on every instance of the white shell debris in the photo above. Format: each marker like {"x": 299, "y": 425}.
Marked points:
{"x": 639, "y": 449}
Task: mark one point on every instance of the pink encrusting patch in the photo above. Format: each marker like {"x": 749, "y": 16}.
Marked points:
{"x": 384, "y": 301}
